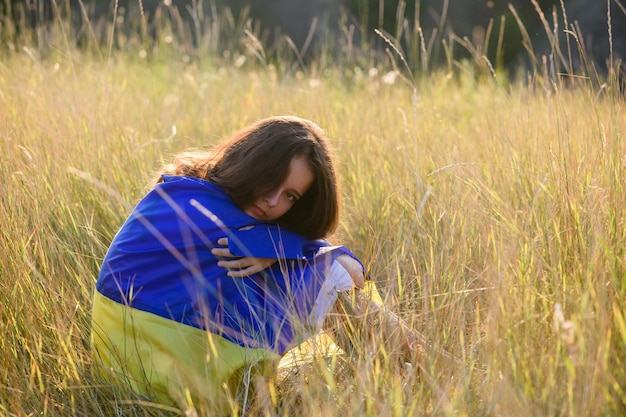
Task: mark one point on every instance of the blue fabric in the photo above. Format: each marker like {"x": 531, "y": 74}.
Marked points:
{"x": 160, "y": 262}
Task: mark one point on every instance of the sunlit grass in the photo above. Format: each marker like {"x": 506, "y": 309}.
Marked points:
{"x": 478, "y": 207}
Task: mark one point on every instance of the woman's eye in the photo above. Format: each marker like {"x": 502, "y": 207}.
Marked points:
{"x": 291, "y": 197}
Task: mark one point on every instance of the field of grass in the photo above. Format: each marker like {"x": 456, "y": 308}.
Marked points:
{"x": 491, "y": 214}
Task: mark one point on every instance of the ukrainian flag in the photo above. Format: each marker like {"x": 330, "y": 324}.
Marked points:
{"x": 169, "y": 322}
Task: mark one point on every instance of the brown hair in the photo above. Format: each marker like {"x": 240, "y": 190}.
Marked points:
{"x": 256, "y": 160}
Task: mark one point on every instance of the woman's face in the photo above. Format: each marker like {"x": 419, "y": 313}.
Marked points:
{"x": 277, "y": 202}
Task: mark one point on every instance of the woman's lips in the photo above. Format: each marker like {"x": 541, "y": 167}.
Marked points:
{"x": 258, "y": 212}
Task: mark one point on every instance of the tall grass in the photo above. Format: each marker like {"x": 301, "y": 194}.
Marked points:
{"x": 490, "y": 214}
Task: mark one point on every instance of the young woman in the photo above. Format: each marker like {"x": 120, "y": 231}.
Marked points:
{"x": 220, "y": 269}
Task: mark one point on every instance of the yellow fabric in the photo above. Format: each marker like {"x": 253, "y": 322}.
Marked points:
{"x": 176, "y": 364}
{"x": 371, "y": 291}
{"x": 171, "y": 363}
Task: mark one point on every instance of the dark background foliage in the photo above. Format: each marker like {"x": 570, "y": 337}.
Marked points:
{"x": 495, "y": 26}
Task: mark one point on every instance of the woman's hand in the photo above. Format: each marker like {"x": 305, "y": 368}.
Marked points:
{"x": 354, "y": 269}
{"x": 240, "y": 267}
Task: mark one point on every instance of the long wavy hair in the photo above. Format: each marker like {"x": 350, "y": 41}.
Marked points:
{"x": 256, "y": 160}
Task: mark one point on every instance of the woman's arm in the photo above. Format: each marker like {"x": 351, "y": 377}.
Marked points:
{"x": 252, "y": 249}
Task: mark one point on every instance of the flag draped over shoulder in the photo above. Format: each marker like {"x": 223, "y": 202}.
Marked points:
{"x": 160, "y": 262}
{"x": 170, "y": 322}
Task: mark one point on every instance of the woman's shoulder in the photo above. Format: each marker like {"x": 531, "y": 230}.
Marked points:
{"x": 185, "y": 180}
{"x": 184, "y": 184}
{"x": 200, "y": 194}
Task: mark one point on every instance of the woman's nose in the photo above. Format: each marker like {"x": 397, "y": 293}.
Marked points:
{"x": 272, "y": 199}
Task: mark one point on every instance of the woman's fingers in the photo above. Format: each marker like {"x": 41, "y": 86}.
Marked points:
{"x": 223, "y": 252}
{"x": 236, "y": 263}
{"x": 244, "y": 267}
{"x": 240, "y": 267}
{"x": 246, "y": 272}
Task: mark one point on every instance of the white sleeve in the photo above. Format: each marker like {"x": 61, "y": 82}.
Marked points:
{"x": 337, "y": 280}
